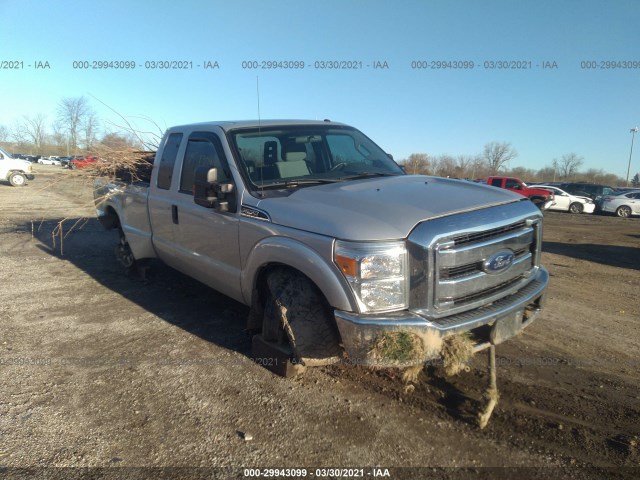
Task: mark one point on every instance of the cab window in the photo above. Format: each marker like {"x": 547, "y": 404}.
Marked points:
{"x": 168, "y": 160}
{"x": 203, "y": 150}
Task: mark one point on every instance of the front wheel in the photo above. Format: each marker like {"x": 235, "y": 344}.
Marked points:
{"x": 17, "y": 179}
{"x": 576, "y": 207}
{"x": 623, "y": 211}
{"x": 296, "y": 313}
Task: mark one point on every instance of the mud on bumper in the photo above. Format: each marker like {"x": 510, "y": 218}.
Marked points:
{"x": 406, "y": 338}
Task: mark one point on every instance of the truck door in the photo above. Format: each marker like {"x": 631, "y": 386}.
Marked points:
{"x": 206, "y": 240}
{"x": 162, "y": 197}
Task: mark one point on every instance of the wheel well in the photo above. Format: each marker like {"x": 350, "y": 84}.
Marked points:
{"x": 261, "y": 292}
{"x": 110, "y": 219}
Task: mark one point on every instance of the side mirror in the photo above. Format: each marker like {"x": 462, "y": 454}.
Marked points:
{"x": 209, "y": 193}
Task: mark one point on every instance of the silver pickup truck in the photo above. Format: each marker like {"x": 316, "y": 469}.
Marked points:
{"x": 339, "y": 253}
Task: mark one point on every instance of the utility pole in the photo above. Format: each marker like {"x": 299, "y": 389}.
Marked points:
{"x": 633, "y": 135}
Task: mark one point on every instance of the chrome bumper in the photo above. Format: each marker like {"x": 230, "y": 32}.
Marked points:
{"x": 505, "y": 318}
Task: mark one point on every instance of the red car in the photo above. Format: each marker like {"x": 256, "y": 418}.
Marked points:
{"x": 82, "y": 162}
{"x": 541, "y": 197}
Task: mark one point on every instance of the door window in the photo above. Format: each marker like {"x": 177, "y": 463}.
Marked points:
{"x": 203, "y": 150}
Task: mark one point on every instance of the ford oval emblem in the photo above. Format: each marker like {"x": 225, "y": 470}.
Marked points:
{"x": 499, "y": 262}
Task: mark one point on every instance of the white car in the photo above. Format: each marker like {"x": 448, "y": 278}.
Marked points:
{"x": 567, "y": 202}
{"x": 46, "y": 161}
{"x": 623, "y": 204}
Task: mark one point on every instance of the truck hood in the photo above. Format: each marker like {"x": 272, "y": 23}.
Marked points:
{"x": 383, "y": 208}
{"x": 18, "y": 164}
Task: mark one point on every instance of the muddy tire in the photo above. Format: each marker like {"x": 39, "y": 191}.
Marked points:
{"x": 297, "y": 314}
{"x": 17, "y": 179}
{"x": 123, "y": 252}
{"x": 623, "y": 211}
{"x": 576, "y": 207}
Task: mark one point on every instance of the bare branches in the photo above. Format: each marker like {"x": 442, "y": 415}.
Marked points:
{"x": 31, "y": 130}
{"x": 72, "y": 113}
{"x": 568, "y": 165}
{"x": 149, "y": 139}
{"x": 127, "y": 164}
{"x": 496, "y": 155}
{"x": 417, "y": 163}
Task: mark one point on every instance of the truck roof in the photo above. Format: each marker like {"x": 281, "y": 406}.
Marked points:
{"x": 232, "y": 124}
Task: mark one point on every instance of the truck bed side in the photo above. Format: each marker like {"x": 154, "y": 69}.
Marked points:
{"x": 122, "y": 205}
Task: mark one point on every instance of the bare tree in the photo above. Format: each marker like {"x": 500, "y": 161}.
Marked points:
{"x": 496, "y": 155}
{"x": 72, "y": 114}
{"x": 58, "y": 137}
{"x": 90, "y": 125}
{"x": 4, "y": 133}
{"x": 119, "y": 141}
{"x": 31, "y": 130}
{"x": 568, "y": 165}
{"x": 444, "y": 166}
{"x": 417, "y": 163}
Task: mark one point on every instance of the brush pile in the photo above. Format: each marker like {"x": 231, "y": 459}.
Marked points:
{"x": 127, "y": 165}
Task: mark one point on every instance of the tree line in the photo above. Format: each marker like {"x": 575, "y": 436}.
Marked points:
{"x": 494, "y": 160}
{"x": 76, "y": 129}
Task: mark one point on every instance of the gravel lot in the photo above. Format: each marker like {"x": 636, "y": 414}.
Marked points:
{"x": 98, "y": 369}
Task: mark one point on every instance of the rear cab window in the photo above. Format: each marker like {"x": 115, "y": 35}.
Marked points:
{"x": 168, "y": 160}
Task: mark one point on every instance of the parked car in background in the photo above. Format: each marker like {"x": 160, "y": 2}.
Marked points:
{"x": 541, "y": 197}
{"x": 82, "y": 162}
{"x": 14, "y": 170}
{"x": 623, "y": 204}
{"x": 566, "y": 202}
{"x": 64, "y": 161}
{"x": 591, "y": 190}
{"x": 45, "y": 161}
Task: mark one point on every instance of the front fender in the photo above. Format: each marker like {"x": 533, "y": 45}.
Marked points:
{"x": 292, "y": 253}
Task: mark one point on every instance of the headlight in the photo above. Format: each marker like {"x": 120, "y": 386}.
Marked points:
{"x": 377, "y": 273}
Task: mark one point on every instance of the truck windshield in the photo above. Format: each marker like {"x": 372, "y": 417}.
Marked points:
{"x": 300, "y": 155}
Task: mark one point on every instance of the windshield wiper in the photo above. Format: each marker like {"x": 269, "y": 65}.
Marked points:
{"x": 369, "y": 174}
{"x": 300, "y": 181}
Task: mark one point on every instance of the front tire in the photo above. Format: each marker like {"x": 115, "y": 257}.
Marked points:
{"x": 623, "y": 211}
{"x": 576, "y": 208}
{"x": 297, "y": 314}
{"x": 17, "y": 179}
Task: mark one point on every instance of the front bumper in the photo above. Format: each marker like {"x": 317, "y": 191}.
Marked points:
{"x": 362, "y": 334}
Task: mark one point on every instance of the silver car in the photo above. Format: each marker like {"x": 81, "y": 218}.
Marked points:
{"x": 623, "y": 204}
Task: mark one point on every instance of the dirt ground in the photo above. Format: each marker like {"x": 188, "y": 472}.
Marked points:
{"x": 98, "y": 369}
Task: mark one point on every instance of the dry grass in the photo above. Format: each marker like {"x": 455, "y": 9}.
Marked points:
{"x": 397, "y": 348}
{"x": 456, "y": 352}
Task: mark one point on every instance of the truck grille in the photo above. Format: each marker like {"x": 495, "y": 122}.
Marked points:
{"x": 479, "y": 260}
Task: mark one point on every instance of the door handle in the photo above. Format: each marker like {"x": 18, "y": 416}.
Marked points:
{"x": 174, "y": 214}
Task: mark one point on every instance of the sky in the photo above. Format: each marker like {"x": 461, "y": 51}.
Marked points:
{"x": 576, "y": 88}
